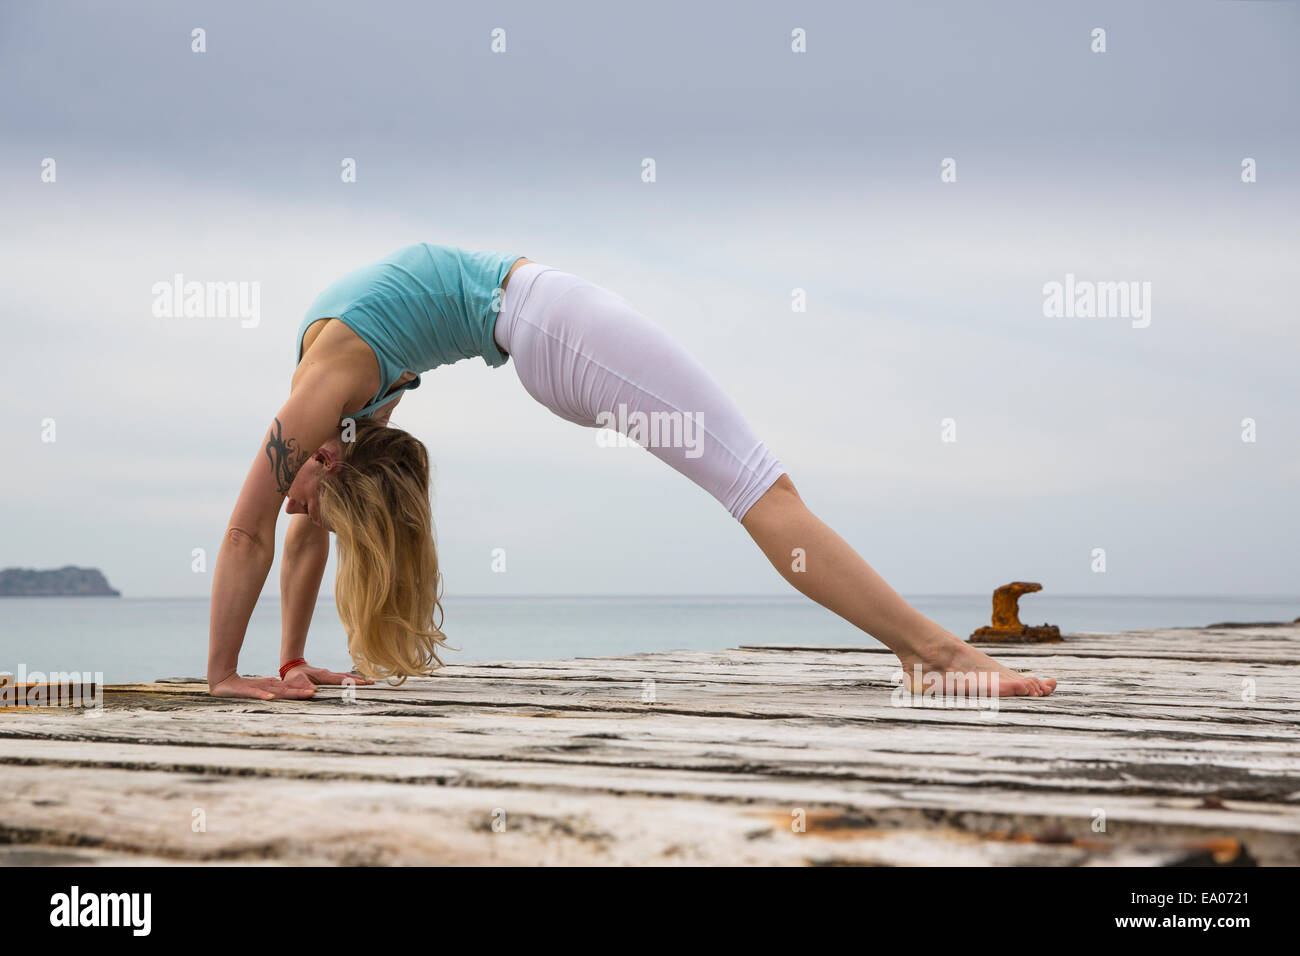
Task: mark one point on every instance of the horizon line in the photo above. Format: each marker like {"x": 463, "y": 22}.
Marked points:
{"x": 984, "y": 595}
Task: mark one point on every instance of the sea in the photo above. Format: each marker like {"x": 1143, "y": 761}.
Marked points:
{"x": 140, "y": 639}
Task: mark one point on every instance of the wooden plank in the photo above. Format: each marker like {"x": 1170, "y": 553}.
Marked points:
{"x": 287, "y": 819}
{"x": 1182, "y": 762}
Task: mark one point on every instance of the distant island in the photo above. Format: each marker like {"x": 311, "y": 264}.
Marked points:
{"x": 62, "y": 582}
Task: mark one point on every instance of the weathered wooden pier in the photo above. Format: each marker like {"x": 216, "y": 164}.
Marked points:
{"x": 1159, "y": 747}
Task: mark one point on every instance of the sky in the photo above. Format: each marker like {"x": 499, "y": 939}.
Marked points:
{"x": 775, "y": 170}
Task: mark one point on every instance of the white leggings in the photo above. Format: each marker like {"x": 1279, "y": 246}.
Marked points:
{"x": 589, "y": 356}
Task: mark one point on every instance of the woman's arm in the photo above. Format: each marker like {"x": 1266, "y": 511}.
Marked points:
{"x": 304, "y": 423}
{"x": 306, "y": 551}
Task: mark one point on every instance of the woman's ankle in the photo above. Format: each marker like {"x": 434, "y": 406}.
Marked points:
{"x": 933, "y": 649}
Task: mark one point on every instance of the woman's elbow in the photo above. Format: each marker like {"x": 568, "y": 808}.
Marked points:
{"x": 243, "y": 540}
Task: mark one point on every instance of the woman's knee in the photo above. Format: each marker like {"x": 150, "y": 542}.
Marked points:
{"x": 784, "y": 485}
{"x": 780, "y": 497}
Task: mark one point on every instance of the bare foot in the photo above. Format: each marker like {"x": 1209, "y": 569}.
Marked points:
{"x": 968, "y": 671}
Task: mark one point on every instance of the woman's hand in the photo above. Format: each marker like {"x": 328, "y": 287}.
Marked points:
{"x": 261, "y": 688}
{"x": 305, "y": 676}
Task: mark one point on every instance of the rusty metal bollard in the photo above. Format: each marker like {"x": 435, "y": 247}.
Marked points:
{"x": 1007, "y": 628}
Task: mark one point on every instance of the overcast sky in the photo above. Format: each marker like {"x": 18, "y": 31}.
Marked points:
{"x": 775, "y": 171}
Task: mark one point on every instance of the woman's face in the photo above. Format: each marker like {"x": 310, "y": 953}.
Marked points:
{"x": 304, "y": 493}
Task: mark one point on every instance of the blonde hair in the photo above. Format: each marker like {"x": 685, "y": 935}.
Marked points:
{"x": 388, "y": 586}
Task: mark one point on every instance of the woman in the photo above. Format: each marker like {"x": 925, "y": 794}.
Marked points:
{"x": 580, "y": 350}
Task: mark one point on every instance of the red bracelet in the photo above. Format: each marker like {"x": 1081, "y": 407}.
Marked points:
{"x": 285, "y": 668}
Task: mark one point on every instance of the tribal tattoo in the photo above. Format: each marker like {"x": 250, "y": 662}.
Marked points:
{"x": 285, "y": 458}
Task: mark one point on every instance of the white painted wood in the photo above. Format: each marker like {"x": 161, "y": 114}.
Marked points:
{"x": 1176, "y": 738}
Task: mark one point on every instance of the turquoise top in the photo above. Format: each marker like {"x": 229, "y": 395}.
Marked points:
{"x": 421, "y": 307}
